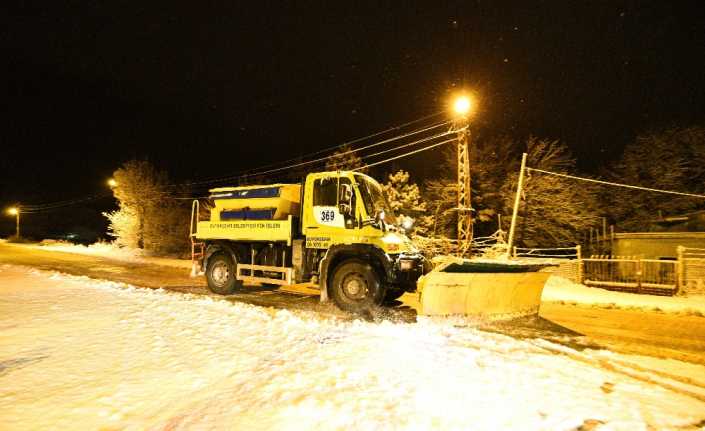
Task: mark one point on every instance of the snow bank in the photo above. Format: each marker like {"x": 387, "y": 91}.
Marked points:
{"x": 559, "y": 289}
{"x": 77, "y": 353}
{"x": 111, "y": 251}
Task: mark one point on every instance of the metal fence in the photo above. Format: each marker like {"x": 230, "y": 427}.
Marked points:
{"x": 554, "y": 252}
{"x": 658, "y": 277}
{"x": 692, "y": 270}
{"x": 624, "y": 273}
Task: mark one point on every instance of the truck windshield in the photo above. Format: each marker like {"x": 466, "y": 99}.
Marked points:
{"x": 374, "y": 200}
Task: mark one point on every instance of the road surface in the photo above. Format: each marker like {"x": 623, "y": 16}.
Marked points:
{"x": 648, "y": 333}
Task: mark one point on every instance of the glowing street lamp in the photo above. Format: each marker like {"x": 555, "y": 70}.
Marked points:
{"x": 15, "y": 211}
{"x": 463, "y": 105}
{"x": 112, "y": 183}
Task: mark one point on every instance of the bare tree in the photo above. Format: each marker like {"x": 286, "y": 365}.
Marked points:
{"x": 672, "y": 159}
{"x": 553, "y": 212}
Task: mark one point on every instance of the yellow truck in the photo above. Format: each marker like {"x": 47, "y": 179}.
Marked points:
{"x": 334, "y": 231}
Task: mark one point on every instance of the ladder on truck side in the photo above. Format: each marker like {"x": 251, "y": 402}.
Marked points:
{"x": 198, "y": 251}
{"x": 286, "y": 273}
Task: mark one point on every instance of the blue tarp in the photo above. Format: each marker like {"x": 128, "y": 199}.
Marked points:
{"x": 248, "y": 214}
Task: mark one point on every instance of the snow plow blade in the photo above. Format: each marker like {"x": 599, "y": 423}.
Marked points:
{"x": 491, "y": 290}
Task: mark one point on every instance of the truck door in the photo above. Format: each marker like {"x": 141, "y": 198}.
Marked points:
{"x": 325, "y": 219}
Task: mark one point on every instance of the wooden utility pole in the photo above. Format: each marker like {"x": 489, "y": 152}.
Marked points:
{"x": 517, "y": 200}
{"x": 464, "y": 198}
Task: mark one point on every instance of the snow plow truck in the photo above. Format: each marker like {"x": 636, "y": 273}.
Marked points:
{"x": 334, "y": 231}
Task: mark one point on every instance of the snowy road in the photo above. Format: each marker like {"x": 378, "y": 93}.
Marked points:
{"x": 665, "y": 335}
{"x": 77, "y": 353}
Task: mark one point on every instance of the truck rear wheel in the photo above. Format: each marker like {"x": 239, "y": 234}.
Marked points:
{"x": 356, "y": 286}
{"x": 221, "y": 274}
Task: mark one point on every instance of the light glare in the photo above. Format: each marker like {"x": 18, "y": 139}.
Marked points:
{"x": 13, "y": 211}
{"x": 462, "y": 105}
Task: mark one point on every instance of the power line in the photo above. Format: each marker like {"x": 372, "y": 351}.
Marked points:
{"x": 60, "y": 204}
{"x": 257, "y": 171}
{"x": 406, "y": 154}
{"x": 353, "y": 141}
{"x": 254, "y": 171}
{"x": 309, "y": 162}
{"x": 609, "y": 183}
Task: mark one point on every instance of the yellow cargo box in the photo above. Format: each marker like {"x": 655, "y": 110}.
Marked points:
{"x": 249, "y": 203}
{"x": 246, "y": 230}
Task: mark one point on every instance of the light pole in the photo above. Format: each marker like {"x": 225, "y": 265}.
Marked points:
{"x": 15, "y": 211}
{"x": 463, "y": 106}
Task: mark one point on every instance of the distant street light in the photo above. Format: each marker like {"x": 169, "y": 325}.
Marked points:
{"x": 112, "y": 183}
{"x": 15, "y": 211}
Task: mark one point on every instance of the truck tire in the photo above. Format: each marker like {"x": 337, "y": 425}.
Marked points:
{"x": 221, "y": 274}
{"x": 356, "y": 286}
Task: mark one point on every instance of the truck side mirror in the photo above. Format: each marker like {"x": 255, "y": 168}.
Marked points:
{"x": 345, "y": 199}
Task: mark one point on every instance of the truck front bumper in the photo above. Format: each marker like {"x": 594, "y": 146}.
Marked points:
{"x": 406, "y": 268}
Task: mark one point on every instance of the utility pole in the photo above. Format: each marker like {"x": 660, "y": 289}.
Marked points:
{"x": 463, "y": 107}
{"x": 465, "y": 230}
{"x": 517, "y": 200}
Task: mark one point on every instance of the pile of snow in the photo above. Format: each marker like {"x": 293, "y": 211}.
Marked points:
{"x": 111, "y": 251}
{"x": 559, "y": 289}
{"x": 77, "y": 353}
{"x": 103, "y": 249}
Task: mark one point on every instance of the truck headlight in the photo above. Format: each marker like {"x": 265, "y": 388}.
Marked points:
{"x": 406, "y": 265}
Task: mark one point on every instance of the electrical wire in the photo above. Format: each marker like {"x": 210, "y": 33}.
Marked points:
{"x": 30, "y": 209}
{"x": 321, "y": 159}
{"x": 61, "y": 204}
{"x": 609, "y": 183}
{"x": 353, "y": 141}
{"x": 410, "y": 153}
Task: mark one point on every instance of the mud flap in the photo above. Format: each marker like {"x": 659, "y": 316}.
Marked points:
{"x": 196, "y": 270}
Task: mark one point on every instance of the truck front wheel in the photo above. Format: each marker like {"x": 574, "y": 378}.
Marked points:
{"x": 356, "y": 286}
{"x": 221, "y": 274}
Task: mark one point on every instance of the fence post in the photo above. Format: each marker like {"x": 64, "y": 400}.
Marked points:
{"x": 580, "y": 264}
{"x": 514, "y": 251}
{"x": 680, "y": 267}
{"x": 639, "y": 268}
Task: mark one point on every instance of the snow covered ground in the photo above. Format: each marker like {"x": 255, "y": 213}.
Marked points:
{"x": 77, "y": 353}
{"x": 559, "y": 289}
{"x": 112, "y": 251}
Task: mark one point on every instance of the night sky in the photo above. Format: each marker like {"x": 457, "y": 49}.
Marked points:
{"x": 207, "y": 90}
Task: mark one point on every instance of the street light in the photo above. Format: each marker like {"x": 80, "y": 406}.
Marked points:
{"x": 15, "y": 211}
{"x": 463, "y": 105}
{"x": 112, "y": 183}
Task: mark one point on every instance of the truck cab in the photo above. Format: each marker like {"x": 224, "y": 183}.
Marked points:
{"x": 335, "y": 231}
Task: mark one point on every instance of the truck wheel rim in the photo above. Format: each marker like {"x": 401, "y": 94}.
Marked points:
{"x": 354, "y": 286}
{"x": 220, "y": 273}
